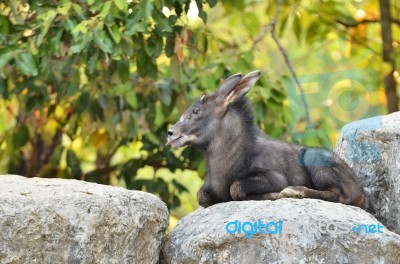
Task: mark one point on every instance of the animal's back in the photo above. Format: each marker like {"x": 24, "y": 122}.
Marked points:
{"x": 280, "y": 156}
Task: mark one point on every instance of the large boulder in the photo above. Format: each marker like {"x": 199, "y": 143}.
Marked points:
{"x": 372, "y": 148}
{"x": 297, "y": 231}
{"x": 70, "y": 221}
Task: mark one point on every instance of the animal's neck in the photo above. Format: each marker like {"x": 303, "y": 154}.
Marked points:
{"x": 230, "y": 149}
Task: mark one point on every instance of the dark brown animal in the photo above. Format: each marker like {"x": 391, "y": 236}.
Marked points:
{"x": 245, "y": 164}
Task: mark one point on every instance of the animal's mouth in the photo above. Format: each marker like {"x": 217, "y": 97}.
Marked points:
{"x": 171, "y": 141}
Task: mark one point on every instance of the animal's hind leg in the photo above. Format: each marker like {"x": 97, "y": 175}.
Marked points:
{"x": 332, "y": 179}
{"x": 331, "y": 195}
{"x": 260, "y": 186}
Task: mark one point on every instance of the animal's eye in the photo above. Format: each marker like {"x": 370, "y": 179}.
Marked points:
{"x": 196, "y": 111}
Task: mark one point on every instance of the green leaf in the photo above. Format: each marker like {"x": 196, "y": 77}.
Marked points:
{"x": 131, "y": 99}
{"x": 139, "y": 27}
{"x": 178, "y": 8}
{"x": 311, "y": 138}
{"x": 104, "y": 42}
{"x": 297, "y": 26}
{"x": 106, "y": 9}
{"x": 159, "y": 120}
{"x": 3, "y": 90}
{"x": 78, "y": 9}
{"x": 6, "y": 55}
{"x": 251, "y": 23}
{"x": 81, "y": 27}
{"x": 21, "y": 137}
{"x": 27, "y": 64}
{"x": 146, "y": 7}
{"x": 91, "y": 64}
{"x": 153, "y": 139}
{"x": 115, "y": 34}
{"x": 162, "y": 21}
{"x": 64, "y": 8}
{"x": 282, "y": 25}
{"x": 74, "y": 164}
{"x": 70, "y": 24}
{"x": 142, "y": 60}
{"x": 95, "y": 110}
{"x": 170, "y": 45}
{"x": 47, "y": 18}
{"x": 4, "y": 25}
{"x": 81, "y": 43}
{"x": 154, "y": 46}
{"x": 123, "y": 70}
{"x": 212, "y": 3}
{"x": 82, "y": 103}
{"x": 127, "y": 46}
{"x": 32, "y": 102}
{"x": 202, "y": 13}
{"x": 234, "y": 4}
{"x": 135, "y": 23}
{"x": 121, "y": 4}
{"x": 312, "y": 31}
{"x": 119, "y": 89}
{"x": 278, "y": 96}
{"x": 165, "y": 86}
{"x": 201, "y": 168}
{"x": 265, "y": 93}
{"x": 176, "y": 202}
{"x": 55, "y": 42}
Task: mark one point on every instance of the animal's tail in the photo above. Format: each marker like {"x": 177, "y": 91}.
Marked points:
{"x": 368, "y": 202}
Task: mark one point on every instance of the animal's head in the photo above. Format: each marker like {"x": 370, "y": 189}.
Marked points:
{"x": 200, "y": 122}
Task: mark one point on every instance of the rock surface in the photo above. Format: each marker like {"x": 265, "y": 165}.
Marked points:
{"x": 313, "y": 231}
{"x": 372, "y": 148}
{"x": 69, "y": 221}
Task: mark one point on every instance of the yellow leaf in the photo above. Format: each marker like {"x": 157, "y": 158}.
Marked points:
{"x": 83, "y": 79}
{"x": 59, "y": 112}
{"x": 99, "y": 138}
{"x": 76, "y": 145}
{"x": 49, "y": 131}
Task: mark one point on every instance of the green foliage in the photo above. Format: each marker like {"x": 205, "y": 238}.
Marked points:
{"x": 83, "y": 83}
{"x": 89, "y": 88}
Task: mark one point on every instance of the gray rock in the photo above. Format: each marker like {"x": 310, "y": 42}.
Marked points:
{"x": 372, "y": 148}
{"x": 313, "y": 231}
{"x": 70, "y": 221}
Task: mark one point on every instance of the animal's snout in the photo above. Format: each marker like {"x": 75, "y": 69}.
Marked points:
{"x": 175, "y": 136}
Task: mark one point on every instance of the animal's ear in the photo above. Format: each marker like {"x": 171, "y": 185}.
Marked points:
{"x": 229, "y": 84}
{"x": 242, "y": 87}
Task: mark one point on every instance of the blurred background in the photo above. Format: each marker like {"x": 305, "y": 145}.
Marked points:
{"x": 89, "y": 88}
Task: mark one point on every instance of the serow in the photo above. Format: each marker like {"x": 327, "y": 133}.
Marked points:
{"x": 245, "y": 164}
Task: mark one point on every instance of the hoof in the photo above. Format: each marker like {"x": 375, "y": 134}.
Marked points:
{"x": 292, "y": 192}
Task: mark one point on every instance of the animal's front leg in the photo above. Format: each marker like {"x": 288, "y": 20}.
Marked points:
{"x": 259, "y": 186}
{"x": 205, "y": 198}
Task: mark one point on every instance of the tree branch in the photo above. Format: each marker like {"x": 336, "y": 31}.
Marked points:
{"x": 271, "y": 26}
{"x": 364, "y": 21}
{"x": 345, "y": 32}
{"x": 387, "y": 48}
